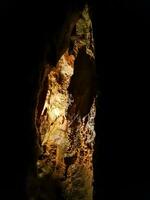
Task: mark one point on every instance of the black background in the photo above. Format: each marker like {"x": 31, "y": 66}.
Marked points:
{"x": 121, "y": 30}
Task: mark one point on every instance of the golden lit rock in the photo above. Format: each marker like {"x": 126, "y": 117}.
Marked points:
{"x": 65, "y": 122}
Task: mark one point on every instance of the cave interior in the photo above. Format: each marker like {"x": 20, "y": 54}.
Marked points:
{"x": 30, "y": 33}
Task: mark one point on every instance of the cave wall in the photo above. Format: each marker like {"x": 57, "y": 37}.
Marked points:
{"x": 65, "y": 116}
{"x": 26, "y": 28}
{"x": 121, "y": 30}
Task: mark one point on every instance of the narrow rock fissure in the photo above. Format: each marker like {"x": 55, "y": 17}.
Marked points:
{"x": 65, "y": 116}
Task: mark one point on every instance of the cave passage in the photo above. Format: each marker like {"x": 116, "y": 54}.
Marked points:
{"x": 65, "y": 116}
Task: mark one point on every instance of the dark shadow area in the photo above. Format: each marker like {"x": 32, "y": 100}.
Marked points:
{"x": 122, "y": 125}
{"x": 46, "y": 188}
{"x": 121, "y": 30}
{"x": 82, "y": 85}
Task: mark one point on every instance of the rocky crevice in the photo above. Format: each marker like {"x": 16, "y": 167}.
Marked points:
{"x": 65, "y": 116}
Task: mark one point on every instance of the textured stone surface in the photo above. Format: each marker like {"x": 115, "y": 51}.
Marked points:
{"x": 65, "y": 121}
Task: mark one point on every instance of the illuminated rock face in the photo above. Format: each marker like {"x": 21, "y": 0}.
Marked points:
{"x": 65, "y": 122}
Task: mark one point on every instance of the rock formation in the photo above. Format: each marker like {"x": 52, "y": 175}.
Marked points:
{"x": 64, "y": 121}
